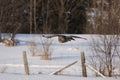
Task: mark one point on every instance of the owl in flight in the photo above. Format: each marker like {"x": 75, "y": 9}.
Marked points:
{"x": 63, "y": 38}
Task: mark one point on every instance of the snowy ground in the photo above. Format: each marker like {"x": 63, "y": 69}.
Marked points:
{"x": 11, "y": 60}
{"x": 48, "y": 77}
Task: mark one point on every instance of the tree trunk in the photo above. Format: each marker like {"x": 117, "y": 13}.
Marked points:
{"x": 31, "y": 13}
{"x": 35, "y": 24}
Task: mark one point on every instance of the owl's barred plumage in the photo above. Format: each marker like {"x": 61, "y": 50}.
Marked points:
{"x": 63, "y": 38}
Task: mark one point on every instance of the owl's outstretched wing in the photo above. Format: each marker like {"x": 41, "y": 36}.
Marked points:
{"x": 69, "y": 37}
{"x": 79, "y": 37}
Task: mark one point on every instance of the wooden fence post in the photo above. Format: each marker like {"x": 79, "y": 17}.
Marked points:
{"x": 84, "y": 72}
{"x": 26, "y": 68}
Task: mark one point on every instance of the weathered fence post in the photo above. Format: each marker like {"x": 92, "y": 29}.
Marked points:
{"x": 26, "y": 68}
{"x": 84, "y": 72}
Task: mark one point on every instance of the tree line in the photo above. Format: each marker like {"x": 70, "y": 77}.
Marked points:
{"x": 59, "y": 16}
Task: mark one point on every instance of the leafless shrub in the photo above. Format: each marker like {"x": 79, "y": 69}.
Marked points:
{"x": 32, "y": 48}
{"x": 7, "y": 42}
{"x": 8, "y": 39}
{"x": 43, "y": 49}
{"x": 46, "y": 49}
{"x": 105, "y": 49}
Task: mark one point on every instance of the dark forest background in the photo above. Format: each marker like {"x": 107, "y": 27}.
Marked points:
{"x": 60, "y": 16}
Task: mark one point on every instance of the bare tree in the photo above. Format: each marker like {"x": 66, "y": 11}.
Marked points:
{"x": 11, "y": 17}
{"x": 0, "y": 25}
{"x": 105, "y": 49}
{"x": 2, "y": 17}
{"x": 31, "y": 13}
{"x": 106, "y": 24}
{"x": 57, "y": 16}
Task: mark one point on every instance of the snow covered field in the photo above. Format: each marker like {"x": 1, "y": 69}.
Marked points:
{"x": 11, "y": 60}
